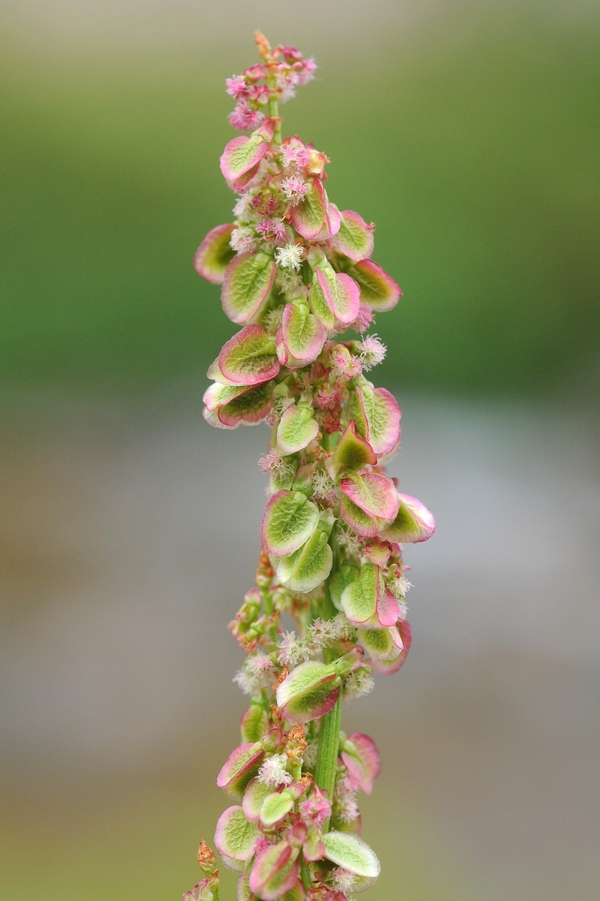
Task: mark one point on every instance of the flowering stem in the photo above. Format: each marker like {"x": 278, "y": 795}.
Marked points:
{"x": 297, "y": 271}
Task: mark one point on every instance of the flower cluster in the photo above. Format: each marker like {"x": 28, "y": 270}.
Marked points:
{"x": 276, "y": 79}
{"x": 296, "y": 272}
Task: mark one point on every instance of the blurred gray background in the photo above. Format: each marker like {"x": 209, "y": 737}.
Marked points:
{"x": 469, "y": 132}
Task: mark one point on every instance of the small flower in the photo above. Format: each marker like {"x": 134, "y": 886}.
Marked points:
{"x": 372, "y": 352}
{"x": 259, "y": 94}
{"x": 282, "y": 598}
{"x": 310, "y": 755}
{"x": 273, "y": 772}
{"x": 244, "y": 117}
{"x": 343, "y": 880}
{"x": 294, "y": 153}
{"x": 274, "y": 463}
{"x": 349, "y": 540}
{"x": 236, "y": 86}
{"x": 290, "y": 283}
{"x": 365, "y": 318}
{"x": 293, "y": 650}
{"x": 291, "y": 54}
{"x": 290, "y": 256}
{"x": 294, "y": 188}
{"x": 272, "y": 230}
{"x": 345, "y": 365}
{"x": 243, "y": 240}
{"x": 358, "y": 684}
{"x": 243, "y": 206}
{"x": 322, "y": 484}
{"x": 307, "y": 71}
{"x": 345, "y": 804}
{"x": 255, "y": 674}
{"x": 327, "y": 398}
{"x": 397, "y": 582}
{"x": 264, "y": 203}
{"x": 268, "y": 462}
{"x": 324, "y": 631}
{"x": 345, "y": 786}
{"x": 244, "y": 681}
{"x": 316, "y": 809}
{"x": 400, "y": 587}
{"x": 259, "y": 665}
{"x": 331, "y": 422}
{"x": 254, "y": 73}
{"x": 272, "y": 320}
{"x": 287, "y": 79}
{"x": 282, "y": 404}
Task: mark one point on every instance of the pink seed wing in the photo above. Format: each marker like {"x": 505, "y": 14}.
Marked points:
{"x": 362, "y": 759}
{"x": 214, "y": 254}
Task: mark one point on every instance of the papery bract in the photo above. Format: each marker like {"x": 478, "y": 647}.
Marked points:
{"x": 289, "y": 521}
{"x": 387, "y": 611}
{"x": 220, "y": 395}
{"x": 319, "y": 305}
{"x": 302, "y": 332}
{"x": 354, "y": 238}
{"x": 296, "y": 429}
{"x": 246, "y": 284}
{"x": 274, "y": 872}
{"x": 364, "y": 524}
{"x": 377, "y": 289}
{"x": 377, "y": 416}
{"x": 309, "y": 216}
{"x": 341, "y": 294}
{"x": 359, "y": 599}
{"x": 277, "y": 805}
{"x": 214, "y": 254}
{"x": 254, "y": 796}
{"x": 352, "y": 451}
{"x": 243, "y": 764}
{"x": 413, "y": 522}
{"x": 244, "y": 153}
{"x": 255, "y": 723}
{"x": 352, "y": 853}
{"x": 248, "y": 408}
{"x": 388, "y": 660}
{"x": 382, "y": 644}
{"x": 308, "y": 692}
{"x": 249, "y": 358}
{"x": 236, "y": 836}
{"x": 309, "y": 566}
{"x": 373, "y": 493}
{"x": 360, "y": 754}
{"x": 333, "y": 221}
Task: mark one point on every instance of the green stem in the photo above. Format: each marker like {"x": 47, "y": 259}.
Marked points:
{"x": 329, "y": 734}
{"x": 327, "y": 754}
{"x": 305, "y": 873}
{"x": 274, "y": 111}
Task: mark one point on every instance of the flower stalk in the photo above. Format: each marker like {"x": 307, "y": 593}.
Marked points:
{"x": 296, "y": 274}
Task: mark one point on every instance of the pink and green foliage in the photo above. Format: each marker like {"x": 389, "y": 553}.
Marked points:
{"x": 296, "y": 274}
{"x": 360, "y": 754}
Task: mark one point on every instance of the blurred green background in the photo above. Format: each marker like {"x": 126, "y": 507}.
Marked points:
{"x": 469, "y": 132}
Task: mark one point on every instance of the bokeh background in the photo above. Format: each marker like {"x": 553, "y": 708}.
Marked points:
{"x": 470, "y": 133}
